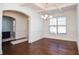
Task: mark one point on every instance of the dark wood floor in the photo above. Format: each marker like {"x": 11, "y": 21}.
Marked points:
{"x": 41, "y": 47}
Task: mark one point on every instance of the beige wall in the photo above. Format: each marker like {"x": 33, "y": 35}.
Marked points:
{"x": 21, "y": 23}
{"x": 71, "y": 26}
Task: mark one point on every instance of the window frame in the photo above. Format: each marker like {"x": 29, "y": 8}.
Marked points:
{"x": 58, "y": 25}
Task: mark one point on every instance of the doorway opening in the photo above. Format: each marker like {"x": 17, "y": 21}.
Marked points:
{"x": 15, "y": 26}
{"x": 8, "y": 28}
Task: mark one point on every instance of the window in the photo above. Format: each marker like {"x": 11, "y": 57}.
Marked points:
{"x": 58, "y": 25}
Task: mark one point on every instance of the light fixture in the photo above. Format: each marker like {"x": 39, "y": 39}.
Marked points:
{"x": 46, "y": 15}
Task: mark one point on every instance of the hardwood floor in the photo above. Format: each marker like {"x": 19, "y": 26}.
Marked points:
{"x": 42, "y": 47}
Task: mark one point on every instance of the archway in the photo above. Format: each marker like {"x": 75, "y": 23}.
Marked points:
{"x": 21, "y": 23}
{"x": 8, "y": 28}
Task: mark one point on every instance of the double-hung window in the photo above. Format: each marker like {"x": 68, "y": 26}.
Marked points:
{"x": 58, "y": 25}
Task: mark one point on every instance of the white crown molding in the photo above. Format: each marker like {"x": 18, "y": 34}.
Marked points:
{"x": 55, "y": 6}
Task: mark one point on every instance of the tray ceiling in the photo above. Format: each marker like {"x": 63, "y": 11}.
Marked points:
{"x": 46, "y": 6}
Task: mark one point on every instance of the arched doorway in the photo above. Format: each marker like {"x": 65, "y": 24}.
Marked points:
{"x": 21, "y": 24}
{"x": 8, "y": 28}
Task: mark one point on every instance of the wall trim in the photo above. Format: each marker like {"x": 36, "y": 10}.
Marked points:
{"x": 58, "y": 39}
{"x": 34, "y": 40}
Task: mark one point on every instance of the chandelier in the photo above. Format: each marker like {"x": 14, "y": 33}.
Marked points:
{"x": 46, "y": 15}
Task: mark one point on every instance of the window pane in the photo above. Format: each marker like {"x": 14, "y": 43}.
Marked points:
{"x": 61, "y": 29}
{"x": 61, "y": 20}
{"x": 53, "y": 21}
{"x": 53, "y": 29}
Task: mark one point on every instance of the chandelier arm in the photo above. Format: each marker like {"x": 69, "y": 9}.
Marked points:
{"x": 46, "y": 16}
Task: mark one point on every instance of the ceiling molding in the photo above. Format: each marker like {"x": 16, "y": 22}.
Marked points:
{"x": 40, "y": 7}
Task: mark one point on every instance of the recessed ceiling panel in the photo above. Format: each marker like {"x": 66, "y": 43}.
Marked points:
{"x": 32, "y": 6}
{"x": 46, "y": 6}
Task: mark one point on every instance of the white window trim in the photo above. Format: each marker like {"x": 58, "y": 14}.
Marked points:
{"x": 58, "y": 25}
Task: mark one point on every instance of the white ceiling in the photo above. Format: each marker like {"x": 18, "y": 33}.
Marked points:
{"x": 39, "y": 7}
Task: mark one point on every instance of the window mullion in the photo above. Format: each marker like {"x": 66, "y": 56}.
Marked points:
{"x": 57, "y": 25}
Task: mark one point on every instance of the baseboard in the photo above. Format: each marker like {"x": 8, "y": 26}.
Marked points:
{"x": 18, "y": 41}
{"x": 57, "y": 39}
{"x": 9, "y": 39}
{"x": 21, "y": 38}
{"x": 34, "y": 40}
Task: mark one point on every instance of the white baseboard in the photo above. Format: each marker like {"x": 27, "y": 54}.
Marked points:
{"x": 60, "y": 38}
{"x": 8, "y": 39}
{"x": 34, "y": 40}
{"x": 18, "y": 41}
